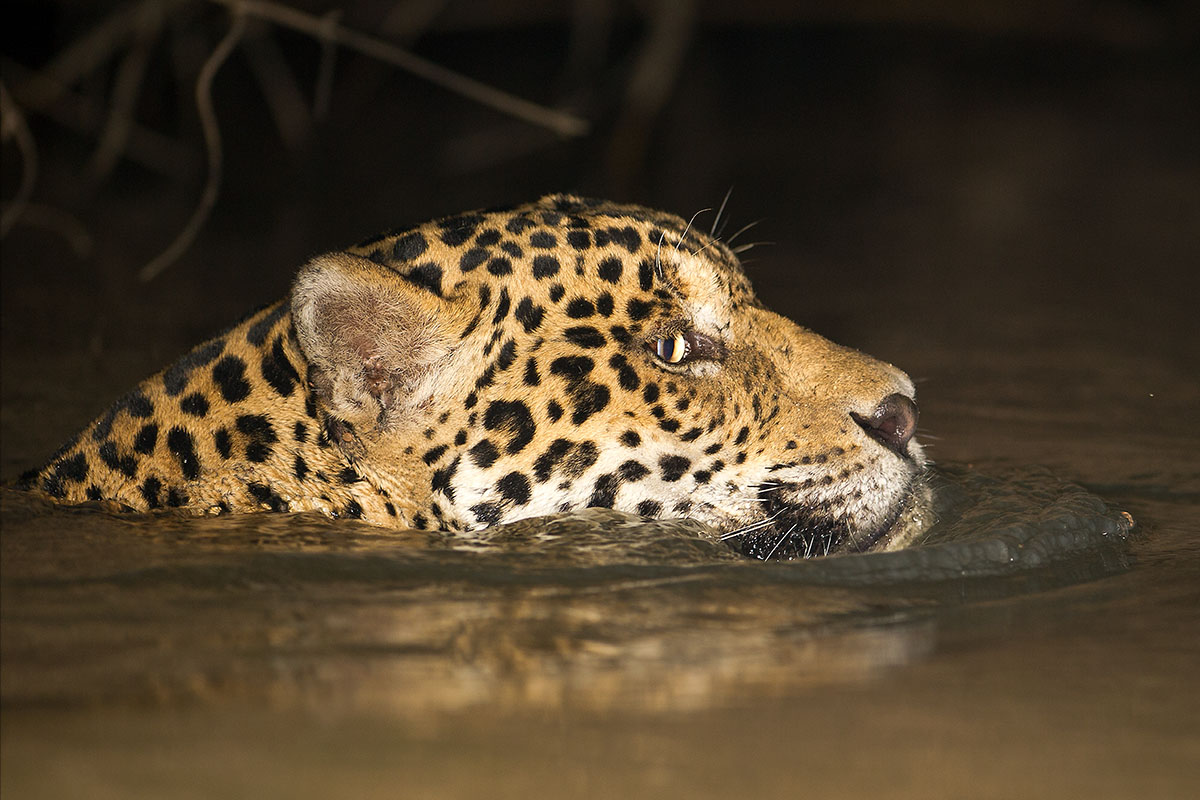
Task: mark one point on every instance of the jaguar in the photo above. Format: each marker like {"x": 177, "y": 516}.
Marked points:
{"x": 511, "y": 363}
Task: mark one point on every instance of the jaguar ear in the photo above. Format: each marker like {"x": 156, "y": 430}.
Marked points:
{"x": 374, "y": 340}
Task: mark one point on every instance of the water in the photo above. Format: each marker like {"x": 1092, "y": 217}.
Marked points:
{"x": 530, "y": 613}
{"x": 310, "y": 657}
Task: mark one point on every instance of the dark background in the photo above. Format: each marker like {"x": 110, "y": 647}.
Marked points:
{"x": 1003, "y": 199}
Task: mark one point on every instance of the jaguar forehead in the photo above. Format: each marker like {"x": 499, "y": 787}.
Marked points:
{"x": 704, "y": 291}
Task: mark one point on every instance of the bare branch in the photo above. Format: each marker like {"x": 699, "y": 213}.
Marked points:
{"x": 128, "y": 85}
{"x": 147, "y": 147}
{"x": 212, "y": 141}
{"x": 280, "y": 89}
{"x": 560, "y": 122}
{"x": 82, "y": 56}
{"x": 659, "y": 60}
{"x": 137, "y": 25}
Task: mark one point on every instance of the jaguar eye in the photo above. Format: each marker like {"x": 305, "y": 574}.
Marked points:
{"x": 672, "y": 350}
{"x": 686, "y": 346}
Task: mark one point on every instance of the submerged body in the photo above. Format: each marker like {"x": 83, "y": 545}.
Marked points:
{"x": 507, "y": 364}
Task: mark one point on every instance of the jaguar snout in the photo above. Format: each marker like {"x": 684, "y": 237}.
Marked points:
{"x": 892, "y": 423}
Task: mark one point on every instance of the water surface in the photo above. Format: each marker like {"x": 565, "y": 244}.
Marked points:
{"x": 587, "y": 652}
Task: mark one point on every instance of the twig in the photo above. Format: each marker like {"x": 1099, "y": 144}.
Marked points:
{"x": 82, "y": 56}
{"x": 12, "y": 123}
{"x": 212, "y": 141}
{"x": 279, "y": 87}
{"x": 655, "y": 71}
{"x": 561, "y": 123}
{"x": 147, "y": 147}
{"x": 402, "y": 25}
{"x": 114, "y": 138}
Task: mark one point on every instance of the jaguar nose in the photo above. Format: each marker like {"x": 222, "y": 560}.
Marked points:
{"x": 892, "y": 423}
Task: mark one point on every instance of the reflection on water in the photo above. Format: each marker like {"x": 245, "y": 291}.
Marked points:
{"x": 595, "y": 610}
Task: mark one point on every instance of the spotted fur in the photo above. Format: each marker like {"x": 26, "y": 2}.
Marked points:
{"x": 502, "y": 364}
